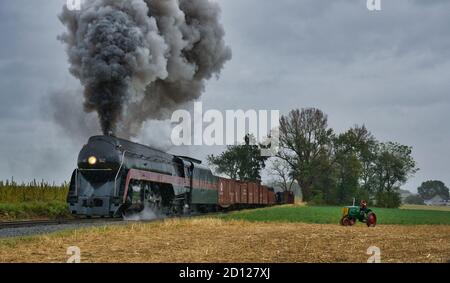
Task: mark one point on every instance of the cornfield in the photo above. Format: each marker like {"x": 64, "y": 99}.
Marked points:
{"x": 13, "y": 192}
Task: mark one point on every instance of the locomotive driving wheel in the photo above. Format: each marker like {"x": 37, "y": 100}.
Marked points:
{"x": 154, "y": 199}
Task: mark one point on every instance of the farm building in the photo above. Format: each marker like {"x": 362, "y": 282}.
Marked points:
{"x": 436, "y": 200}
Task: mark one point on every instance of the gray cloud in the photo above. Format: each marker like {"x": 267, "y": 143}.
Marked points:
{"x": 387, "y": 69}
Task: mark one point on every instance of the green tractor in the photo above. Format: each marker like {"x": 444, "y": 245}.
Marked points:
{"x": 352, "y": 213}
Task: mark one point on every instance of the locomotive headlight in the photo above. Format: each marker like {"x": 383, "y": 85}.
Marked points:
{"x": 92, "y": 160}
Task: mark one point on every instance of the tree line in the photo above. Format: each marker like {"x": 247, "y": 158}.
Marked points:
{"x": 330, "y": 168}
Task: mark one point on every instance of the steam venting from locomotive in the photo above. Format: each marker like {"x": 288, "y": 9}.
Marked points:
{"x": 139, "y": 60}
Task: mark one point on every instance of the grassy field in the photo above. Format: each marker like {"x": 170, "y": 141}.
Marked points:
{"x": 331, "y": 215}
{"x": 33, "y": 210}
{"x": 204, "y": 240}
{"x": 425, "y": 207}
{"x": 32, "y": 200}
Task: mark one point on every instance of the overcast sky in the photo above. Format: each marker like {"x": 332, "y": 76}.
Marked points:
{"x": 388, "y": 70}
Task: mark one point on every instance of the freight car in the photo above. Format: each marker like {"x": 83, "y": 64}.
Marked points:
{"x": 116, "y": 176}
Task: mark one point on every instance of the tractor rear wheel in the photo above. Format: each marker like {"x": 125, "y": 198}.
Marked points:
{"x": 371, "y": 219}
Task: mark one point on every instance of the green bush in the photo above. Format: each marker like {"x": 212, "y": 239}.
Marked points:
{"x": 317, "y": 198}
{"x": 388, "y": 199}
{"x": 414, "y": 199}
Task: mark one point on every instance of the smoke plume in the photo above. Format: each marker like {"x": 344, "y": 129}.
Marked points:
{"x": 141, "y": 59}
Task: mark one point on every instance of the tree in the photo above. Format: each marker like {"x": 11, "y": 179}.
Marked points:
{"x": 392, "y": 166}
{"x": 365, "y": 147}
{"x": 429, "y": 189}
{"x": 324, "y": 180}
{"x": 348, "y": 148}
{"x": 414, "y": 199}
{"x": 388, "y": 199}
{"x": 305, "y": 141}
{"x": 283, "y": 175}
{"x": 384, "y": 166}
{"x": 242, "y": 162}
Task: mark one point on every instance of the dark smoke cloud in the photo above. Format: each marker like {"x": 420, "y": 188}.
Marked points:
{"x": 141, "y": 59}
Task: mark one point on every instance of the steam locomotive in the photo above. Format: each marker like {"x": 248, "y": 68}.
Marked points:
{"x": 116, "y": 177}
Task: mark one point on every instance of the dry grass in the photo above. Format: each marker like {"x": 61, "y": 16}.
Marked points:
{"x": 214, "y": 240}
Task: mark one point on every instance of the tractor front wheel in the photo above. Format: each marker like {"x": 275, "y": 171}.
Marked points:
{"x": 345, "y": 221}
